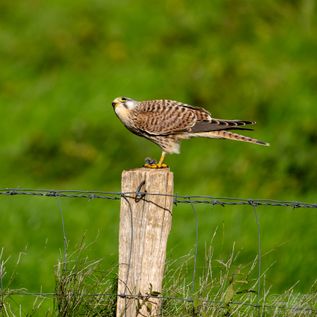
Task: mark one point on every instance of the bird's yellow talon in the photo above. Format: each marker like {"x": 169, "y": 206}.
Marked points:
{"x": 152, "y": 163}
{"x": 155, "y": 166}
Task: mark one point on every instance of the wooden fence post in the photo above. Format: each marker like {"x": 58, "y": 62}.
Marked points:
{"x": 145, "y": 223}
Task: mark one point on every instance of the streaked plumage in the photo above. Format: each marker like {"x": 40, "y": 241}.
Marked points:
{"x": 167, "y": 122}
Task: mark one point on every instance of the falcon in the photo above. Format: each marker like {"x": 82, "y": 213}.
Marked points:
{"x": 167, "y": 122}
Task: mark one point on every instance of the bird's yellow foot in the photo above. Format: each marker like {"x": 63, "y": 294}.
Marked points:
{"x": 155, "y": 165}
{"x": 150, "y": 163}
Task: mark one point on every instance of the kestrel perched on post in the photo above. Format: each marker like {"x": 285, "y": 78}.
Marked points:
{"x": 167, "y": 122}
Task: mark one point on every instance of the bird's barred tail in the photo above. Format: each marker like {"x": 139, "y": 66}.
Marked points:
{"x": 223, "y": 134}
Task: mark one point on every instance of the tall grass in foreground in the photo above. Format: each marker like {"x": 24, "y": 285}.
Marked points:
{"x": 226, "y": 289}
{"x": 84, "y": 288}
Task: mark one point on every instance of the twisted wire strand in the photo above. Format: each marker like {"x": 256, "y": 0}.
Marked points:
{"x": 178, "y": 199}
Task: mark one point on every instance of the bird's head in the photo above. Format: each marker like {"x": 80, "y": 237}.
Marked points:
{"x": 124, "y": 103}
{"x": 122, "y": 107}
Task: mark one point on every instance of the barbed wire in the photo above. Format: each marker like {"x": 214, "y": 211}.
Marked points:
{"x": 209, "y": 302}
{"x": 177, "y": 199}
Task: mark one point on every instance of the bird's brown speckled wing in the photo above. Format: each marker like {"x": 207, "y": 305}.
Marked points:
{"x": 162, "y": 117}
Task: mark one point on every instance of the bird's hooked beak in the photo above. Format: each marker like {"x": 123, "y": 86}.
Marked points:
{"x": 116, "y": 102}
{"x": 119, "y": 101}
{"x": 126, "y": 102}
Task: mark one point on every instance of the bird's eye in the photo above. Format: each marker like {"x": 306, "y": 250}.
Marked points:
{"x": 123, "y": 98}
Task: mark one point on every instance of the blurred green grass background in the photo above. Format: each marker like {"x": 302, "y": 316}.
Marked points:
{"x": 63, "y": 62}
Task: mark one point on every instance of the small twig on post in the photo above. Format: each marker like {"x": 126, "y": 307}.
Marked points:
{"x": 145, "y": 223}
